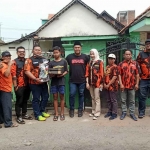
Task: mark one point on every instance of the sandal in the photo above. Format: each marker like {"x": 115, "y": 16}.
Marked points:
{"x": 62, "y": 117}
{"x": 27, "y": 117}
{"x": 13, "y": 125}
{"x": 55, "y": 118}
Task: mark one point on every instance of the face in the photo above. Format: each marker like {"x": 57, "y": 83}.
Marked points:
{"x": 56, "y": 54}
{"x": 77, "y": 49}
{"x": 37, "y": 51}
{"x": 92, "y": 55}
{"x": 127, "y": 55}
{"x": 111, "y": 61}
{"x": 21, "y": 53}
{"x": 147, "y": 46}
{"x": 6, "y": 59}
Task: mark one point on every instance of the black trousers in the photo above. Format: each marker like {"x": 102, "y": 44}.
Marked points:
{"x": 6, "y": 108}
{"x": 22, "y": 97}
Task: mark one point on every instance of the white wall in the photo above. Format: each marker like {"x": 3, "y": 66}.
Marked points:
{"x": 28, "y": 45}
{"x": 77, "y": 21}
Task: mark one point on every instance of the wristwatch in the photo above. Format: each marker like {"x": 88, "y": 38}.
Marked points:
{"x": 34, "y": 80}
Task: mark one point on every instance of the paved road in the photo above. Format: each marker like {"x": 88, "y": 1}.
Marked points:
{"x": 78, "y": 134}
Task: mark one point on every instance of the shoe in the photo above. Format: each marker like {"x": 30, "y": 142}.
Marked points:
{"x": 113, "y": 117}
{"x": 0, "y": 126}
{"x": 95, "y": 117}
{"x": 41, "y": 118}
{"x": 71, "y": 113}
{"x": 123, "y": 116}
{"x": 12, "y": 126}
{"x": 133, "y": 117}
{"x": 91, "y": 115}
{"x": 20, "y": 120}
{"x": 45, "y": 115}
{"x": 141, "y": 116}
{"x": 80, "y": 113}
{"x": 108, "y": 115}
{"x": 27, "y": 117}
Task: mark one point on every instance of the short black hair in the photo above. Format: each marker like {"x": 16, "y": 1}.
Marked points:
{"x": 56, "y": 48}
{"x": 128, "y": 50}
{"x": 20, "y": 47}
{"x": 77, "y": 43}
{"x": 36, "y": 46}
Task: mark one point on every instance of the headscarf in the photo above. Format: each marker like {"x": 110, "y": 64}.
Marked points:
{"x": 96, "y": 54}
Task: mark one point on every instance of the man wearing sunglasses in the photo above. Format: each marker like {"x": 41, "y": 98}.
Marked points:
{"x": 21, "y": 86}
{"x": 144, "y": 62}
{"x": 5, "y": 91}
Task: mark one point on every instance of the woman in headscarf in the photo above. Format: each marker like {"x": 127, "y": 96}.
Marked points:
{"x": 94, "y": 81}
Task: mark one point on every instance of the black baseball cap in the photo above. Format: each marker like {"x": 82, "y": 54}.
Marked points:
{"x": 6, "y": 53}
{"x": 148, "y": 40}
{"x": 77, "y": 43}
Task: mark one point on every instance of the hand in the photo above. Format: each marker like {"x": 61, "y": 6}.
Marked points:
{"x": 15, "y": 88}
{"x": 122, "y": 87}
{"x": 60, "y": 75}
{"x": 106, "y": 86}
{"x": 101, "y": 86}
{"x": 11, "y": 62}
{"x": 136, "y": 87}
{"x": 52, "y": 75}
{"x": 1, "y": 65}
{"x": 38, "y": 80}
{"x": 88, "y": 86}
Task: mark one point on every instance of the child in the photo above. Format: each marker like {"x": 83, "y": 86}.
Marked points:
{"x": 58, "y": 82}
{"x": 94, "y": 77}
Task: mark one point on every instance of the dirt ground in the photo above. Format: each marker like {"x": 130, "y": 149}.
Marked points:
{"x": 78, "y": 134}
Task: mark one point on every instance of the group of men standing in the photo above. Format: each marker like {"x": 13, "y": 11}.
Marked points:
{"x": 23, "y": 75}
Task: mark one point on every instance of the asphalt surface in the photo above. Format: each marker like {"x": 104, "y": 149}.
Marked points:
{"x": 78, "y": 134}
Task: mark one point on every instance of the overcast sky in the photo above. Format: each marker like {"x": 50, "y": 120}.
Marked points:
{"x": 24, "y": 16}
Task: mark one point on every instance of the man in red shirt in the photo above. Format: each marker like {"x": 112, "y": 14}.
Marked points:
{"x": 129, "y": 81}
{"x": 21, "y": 86}
{"x": 111, "y": 86}
{"x": 5, "y": 91}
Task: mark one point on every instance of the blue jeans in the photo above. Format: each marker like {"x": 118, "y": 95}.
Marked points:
{"x": 40, "y": 98}
{"x": 143, "y": 93}
{"x": 6, "y": 108}
{"x": 57, "y": 89}
{"x": 73, "y": 89}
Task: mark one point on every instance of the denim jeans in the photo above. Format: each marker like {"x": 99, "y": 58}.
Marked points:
{"x": 40, "y": 98}
{"x": 73, "y": 89}
{"x": 144, "y": 88}
{"x": 130, "y": 94}
{"x": 6, "y": 108}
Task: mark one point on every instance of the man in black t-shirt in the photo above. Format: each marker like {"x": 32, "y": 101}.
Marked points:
{"x": 77, "y": 66}
{"x": 58, "y": 82}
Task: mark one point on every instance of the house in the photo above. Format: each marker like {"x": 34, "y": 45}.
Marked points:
{"x": 76, "y": 21}
{"x": 138, "y": 29}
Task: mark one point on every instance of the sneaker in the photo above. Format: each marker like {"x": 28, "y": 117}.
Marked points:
{"x": 91, "y": 115}
{"x": 95, "y": 117}
{"x": 45, "y": 115}
{"x": 41, "y": 118}
{"x": 20, "y": 120}
{"x": 80, "y": 113}
{"x": 113, "y": 117}
{"x": 141, "y": 116}
{"x": 71, "y": 113}
{"x": 108, "y": 115}
{"x": 27, "y": 117}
